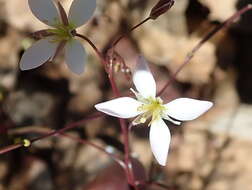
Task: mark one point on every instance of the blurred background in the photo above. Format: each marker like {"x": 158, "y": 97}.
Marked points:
{"x": 210, "y": 153}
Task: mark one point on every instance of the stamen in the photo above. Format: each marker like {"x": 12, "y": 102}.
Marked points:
{"x": 143, "y": 120}
{"x": 138, "y": 96}
{"x": 151, "y": 108}
{"x": 62, "y": 32}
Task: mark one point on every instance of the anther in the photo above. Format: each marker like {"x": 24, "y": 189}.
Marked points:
{"x": 143, "y": 120}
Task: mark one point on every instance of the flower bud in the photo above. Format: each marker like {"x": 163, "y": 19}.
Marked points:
{"x": 160, "y": 8}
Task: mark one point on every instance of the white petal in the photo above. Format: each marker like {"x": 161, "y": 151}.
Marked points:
{"x": 143, "y": 79}
{"x": 160, "y": 138}
{"x": 81, "y": 11}
{"x": 40, "y": 52}
{"x": 123, "y": 107}
{"x": 75, "y": 56}
{"x": 45, "y": 11}
{"x": 186, "y": 109}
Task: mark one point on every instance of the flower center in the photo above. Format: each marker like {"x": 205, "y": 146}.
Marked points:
{"x": 62, "y": 32}
{"x": 151, "y": 108}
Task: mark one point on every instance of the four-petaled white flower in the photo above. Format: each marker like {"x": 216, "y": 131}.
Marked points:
{"x": 148, "y": 106}
{"x": 61, "y": 34}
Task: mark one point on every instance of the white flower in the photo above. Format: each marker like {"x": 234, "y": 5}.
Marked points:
{"x": 148, "y": 106}
{"x": 61, "y": 34}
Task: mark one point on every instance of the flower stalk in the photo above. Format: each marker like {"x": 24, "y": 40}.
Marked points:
{"x": 52, "y": 133}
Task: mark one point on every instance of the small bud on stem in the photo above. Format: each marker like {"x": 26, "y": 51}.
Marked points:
{"x": 26, "y": 143}
{"x": 160, "y": 8}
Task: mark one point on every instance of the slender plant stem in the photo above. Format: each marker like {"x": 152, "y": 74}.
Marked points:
{"x": 126, "y": 149}
{"x": 131, "y": 30}
{"x": 116, "y": 92}
{"x": 110, "y": 73}
{"x": 82, "y": 141}
{"x": 10, "y": 148}
{"x": 129, "y": 172}
{"x": 108, "y": 66}
{"x": 189, "y": 57}
{"x": 97, "y": 51}
{"x": 43, "y": 130}
{"x": 125, "y": 132}
{"x": 68, "y": 127}
{"x": 124, "y": 127}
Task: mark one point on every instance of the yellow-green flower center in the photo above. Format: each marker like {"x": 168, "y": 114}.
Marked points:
{"x": 151, "y": 108}
{"x": 62, "y": 32}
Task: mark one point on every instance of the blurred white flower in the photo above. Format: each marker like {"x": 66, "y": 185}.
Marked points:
{"x": 60, "y": 35}
{"x": 148, "y": 106}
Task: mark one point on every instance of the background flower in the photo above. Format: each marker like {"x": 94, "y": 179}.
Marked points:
{"x": 61, "y": 34}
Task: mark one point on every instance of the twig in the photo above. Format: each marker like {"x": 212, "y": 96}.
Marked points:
{"x": 188, "y": 58}
{"x": 43, "y": 130}
{"x": 68, "y": 127}
{"x": 131, "y": 30}
{"x": 82, "y": 141}
{"x": 97, "y": 51}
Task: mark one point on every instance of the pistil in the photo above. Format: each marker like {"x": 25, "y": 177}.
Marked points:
{"x": 151, "y": 108}
{"x": 62, "y": 32}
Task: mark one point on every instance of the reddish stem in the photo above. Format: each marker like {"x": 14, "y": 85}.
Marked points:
{"x": 188, "y": 58}
{"x": 126, "y": 150}
{"x": 129, "y": 172}
{"x": 108, "y": 66}
{"x": 68, "y": 127}
{"x": 110, "y": 73}
{"x": 97, "y": 51}
{"x": 43, "y": 130}
{"x": 82, "y": 141}
{"x": 10, "y": 148}
{"x": 133, "y": 28}
{"x": 114, "y": 88}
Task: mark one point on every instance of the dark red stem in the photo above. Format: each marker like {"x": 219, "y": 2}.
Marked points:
{"x": 108, "y": 66}
{"x": 68, "y": 127}
{"x": 97, "y": 51}
{"x": 133, "y": 28}
{"x": 188, "y": 58}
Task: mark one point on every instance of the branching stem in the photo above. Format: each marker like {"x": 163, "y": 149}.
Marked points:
{"x": 57, "y": 132}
